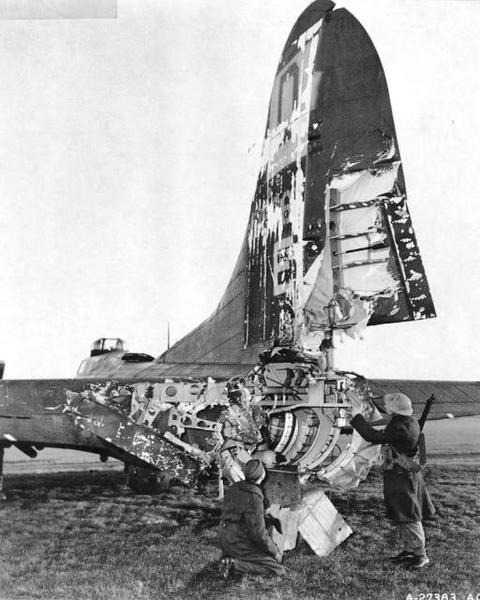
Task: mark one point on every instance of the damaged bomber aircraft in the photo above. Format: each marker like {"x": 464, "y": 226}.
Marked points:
{"x": 329, "y": 247}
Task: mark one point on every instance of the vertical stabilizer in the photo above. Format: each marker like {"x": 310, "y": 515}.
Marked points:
{"x": 329, "y": 238}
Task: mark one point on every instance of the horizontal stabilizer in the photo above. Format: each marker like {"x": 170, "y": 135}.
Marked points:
{"x": 458, "y": 398}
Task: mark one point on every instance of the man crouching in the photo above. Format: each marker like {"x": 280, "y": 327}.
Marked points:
{"x": 243, "y": 538}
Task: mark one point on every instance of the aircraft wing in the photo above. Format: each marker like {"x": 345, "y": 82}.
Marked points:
{"x": 458, "y": 398}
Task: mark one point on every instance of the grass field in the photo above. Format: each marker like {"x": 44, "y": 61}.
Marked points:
{"x": 87, "y": 536}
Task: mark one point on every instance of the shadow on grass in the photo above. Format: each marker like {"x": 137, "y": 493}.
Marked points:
{"x": 208, "y": 582}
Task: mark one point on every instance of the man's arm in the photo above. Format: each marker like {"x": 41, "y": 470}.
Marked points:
{"x": 367, "y": 432}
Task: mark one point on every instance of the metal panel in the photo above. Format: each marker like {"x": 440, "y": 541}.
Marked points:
{"x": 354, "y": 131}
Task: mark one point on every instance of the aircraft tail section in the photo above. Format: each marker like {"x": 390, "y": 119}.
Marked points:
{"x": 329, "y": 243}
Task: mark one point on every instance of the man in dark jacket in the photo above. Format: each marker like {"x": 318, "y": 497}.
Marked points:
{"x": 243, "y": 538}
{"x": 406, "y": 498}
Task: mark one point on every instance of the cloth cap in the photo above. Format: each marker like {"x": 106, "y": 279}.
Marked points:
{"x": 253, "y": 470}
{"x": 399, "y": 404}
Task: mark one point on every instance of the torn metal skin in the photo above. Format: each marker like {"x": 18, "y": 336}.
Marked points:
{"x": 329, "y": 225}
{"x": 290, "y": 414}
{"x": 162, "y": 424}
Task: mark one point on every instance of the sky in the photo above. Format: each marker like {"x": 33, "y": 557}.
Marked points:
{"x": 129, "y": 150}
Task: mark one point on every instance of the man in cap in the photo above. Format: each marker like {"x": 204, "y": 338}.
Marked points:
{"x": 406, "y": 497}
{"x": 243, "y": 538}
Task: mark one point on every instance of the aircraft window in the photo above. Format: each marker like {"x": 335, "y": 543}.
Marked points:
{"x": 110, "y": 344}
{"x": 103, "y": 345}
{"x": 288, "y": 96}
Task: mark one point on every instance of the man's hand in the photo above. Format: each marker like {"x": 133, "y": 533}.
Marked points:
{"x": 356, "y": 402}
{"x": 271, "y": 521}
{"x": 278, "y": 556}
